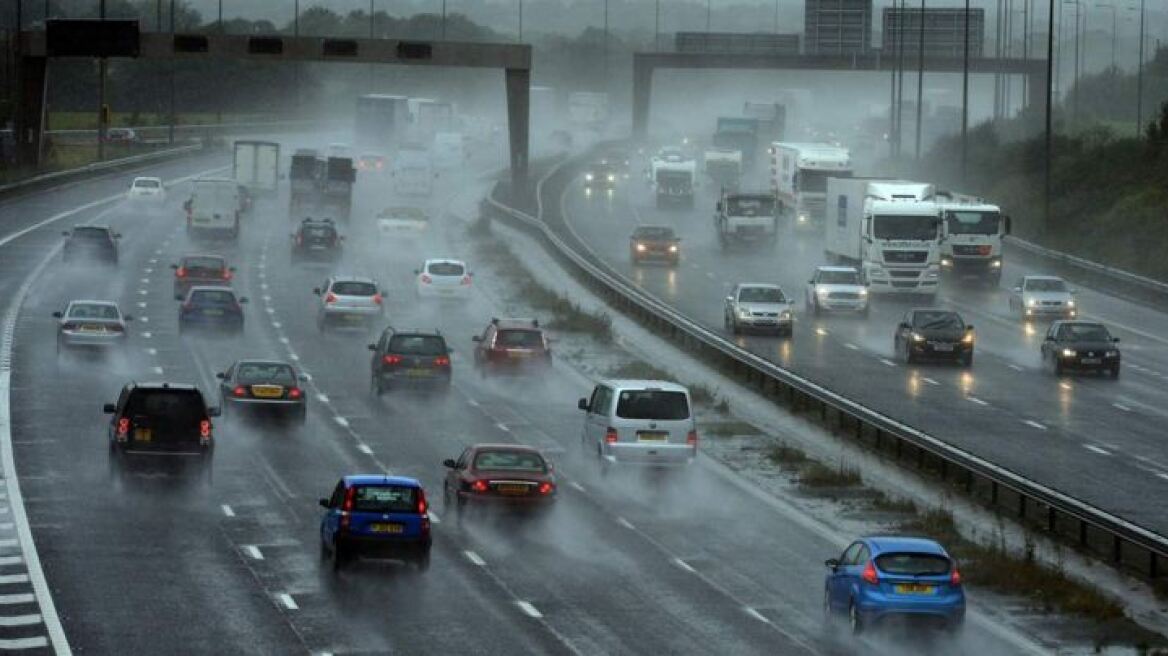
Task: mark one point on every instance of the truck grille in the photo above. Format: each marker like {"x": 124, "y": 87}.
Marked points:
{"x": 967, "y": 249}
{"x": 904, "y": 284}
{"x": 903, "y": 274}
{"x": 906, "y": 257}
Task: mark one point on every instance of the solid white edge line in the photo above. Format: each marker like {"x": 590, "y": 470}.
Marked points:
{"x": 1092, "y": 447}
{"x": 531, "y": 611}
{"x": 756, "y": 615}
{"x": 684, "y": 565}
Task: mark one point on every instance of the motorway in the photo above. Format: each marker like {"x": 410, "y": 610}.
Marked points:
{"x": 1094, "y": 438}
{"x": 690, "y": 563}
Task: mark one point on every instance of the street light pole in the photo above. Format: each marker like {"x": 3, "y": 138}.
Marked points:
{"x": 1049, "y": 142}
{"x": 1140, "y": 79}
{"x": 965, "y": 101}
{"x": 657, "y": 26}
{"x": 920, "y": 78}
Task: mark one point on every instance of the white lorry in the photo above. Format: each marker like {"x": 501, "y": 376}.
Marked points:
{"x": 257, "y": 165}
{"x": 213, "y": 208}
{"x": 972, "y": 246}
{"x": 413, "y": 173}
{"x": 724, "y": 167}
{"x": 799, "y": 173}
{"x": 891, "y": 229}
{"x": 746, "y": 218}
{"x": 671, "y": 174}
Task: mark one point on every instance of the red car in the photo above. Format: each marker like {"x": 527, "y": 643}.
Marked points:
{"x": 511, "y": 346}
{"x": 499, "y": 474}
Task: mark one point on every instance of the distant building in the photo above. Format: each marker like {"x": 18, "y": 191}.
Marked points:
{"x": 756, "y": 43}
{"x": 837, "y": 26}
{"x": 944, "y": 31}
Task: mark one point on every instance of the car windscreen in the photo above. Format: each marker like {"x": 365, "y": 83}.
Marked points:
{"x": 147, "y": 184}
{"x": 93, "y": 311}
{"x": 913, "y": 563}
{"x": 654, "y": 233}
{"x": 938, "y": 320}
{"x": 445, "y": 269}
{"x": 519, "y": 339}
{"x": 839, "y": 278}
{"x": 265, "y": 373}
{"x": 212, "y": 297}
{"x": 212, "y": 264}
{"x": 86, "y": 232}
{"x": 966, "y": 222}
{"x": 176, "y": 406}
{"x": 385, "y": 498}
{"x": 1084, "y": 332}
{"x": 318, "y": 232}
{"x": 761, "y": 295}
{"x": 751, "y": 206}
{"x": 518, "y": 461}
{"x": 891, "y": 226}
{"x": 353, "y": 288}
{"x": 1045, "y": 285}
{"x": 652, "y": 404}
{"x": 417, "y": 345}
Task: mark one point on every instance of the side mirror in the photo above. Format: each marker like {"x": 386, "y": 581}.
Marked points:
{"x": 58, "y": 315}
{"x": 729, "y": 299}
{"x": 109, "y": 408}
{"x": 1017, "y": 290}
{"x": 832, "y": 563}
{"x": 231, "y": 269}
{"x": 127, "y": 317}
{"x": 117, "y": 235}
{"x": 372, "y": 347}
{"x": 811, "y": 282}
{"x": 220, "y": 375}
{"x": 174, "y": 266}
{"x": 449, "y": 463}
{"x": 64, "y": 233}
{"x": 718, "y": 206}
{"x": 178, "y": 297}
{"x": 417, "y": 271}
{"x": 1115, "y": 340}
{"x": 214, "y": 411}
{"x": 476, "y": 338}
{"x": 1072, "y": 291}
{"x": 316, "y": 290}
{"x": 1008, "y": 224}
{"x": 384, "y": 292}
{"x": 969, "y": 328}
{"x": 1048, "y": 338}
{"x": 243, "y": 300}
{"x": 324, "y": 503}
{"x": 583, "y": 404}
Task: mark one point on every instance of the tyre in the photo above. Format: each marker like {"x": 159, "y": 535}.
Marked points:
{"x": 339, "y": 556}
{"x": 423, "y": 562}
{"x": 302, "y": 416}
{"x": 375, "y": 385}
{"x": 1058, "y": 366}
{"x": 815, "y": 309}
{"x": 855, "y": 622}
{"x": 734, "y": 328}
{"x": 1115, "y": 372}
{"x": 967, "y": 360}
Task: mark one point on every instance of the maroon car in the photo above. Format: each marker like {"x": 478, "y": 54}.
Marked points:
{"x": 511, "y": 346}
{"x": 499, "y": 474}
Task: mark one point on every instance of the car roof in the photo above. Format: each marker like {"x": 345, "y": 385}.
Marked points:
{"x": 1077, "y": 322}
{"x": 443, "y": 260}
{"x": 90, "y": 301}
{"x": 212, "y": 288}
{"x": 148, "y": 177}
{"x": 152, "y": 385}
{"x": 263, "y": 361}
{"x": 1041, "y": 278}
{"x": 892, "y": 543}
{"x": 760, "y": 285}
{"x": 380, "y": 479}
{"x": 527, "y": 323}
{"x": 208, "y": 256}
{"x": 935, "y": 310}
{"x": 95, "y": 226}
{"x": 641, "y": 383}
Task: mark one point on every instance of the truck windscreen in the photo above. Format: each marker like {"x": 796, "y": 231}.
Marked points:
{"x": 762, "y": 206}
{"x": 816, "y": 181}
{"x": 674, "y": 179}
{"x": 973, "y": 223}
{"x": 915, "y": 228}
{"x": 302, "y": 168}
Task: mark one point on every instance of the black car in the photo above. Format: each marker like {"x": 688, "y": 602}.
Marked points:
{"x": 160, "y": 424}
{"x": 1080, "y": 346}
{"x": 409, "y": 359}
{"x": 93, "y": 243}
{"x": 600, "y": 176}
{"x": 928, "y": 334}
{"x": 316, "y": 239}
{"x": 657, "y": 243}
{"x": 213, "y": 307}
{"x": 263, "y": 386}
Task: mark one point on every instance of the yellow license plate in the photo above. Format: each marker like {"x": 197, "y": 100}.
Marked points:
{"x": 511, "y": 489}
{"x": 386, "y": 528}
{"x": 267, "y": 391}
{"x": 143, "y": 435}
{"x": 418, "y": 373}
{"x": 517, "y": 355}
{"x": 652, "y": 437}
{"x": 92, "y": 329}
{"x": 913, "y": 588}
{"x": 213, "y": 313}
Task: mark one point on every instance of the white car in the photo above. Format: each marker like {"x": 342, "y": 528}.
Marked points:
{"x": 760, "y": 307}
{"x": 147, "y": 190}
{"x": 349, "y": 300}
{"x": 1043, "y": 296}
{"x": 443, "y": 279}
{"x": 837, "y": 289}
{"x": 402, "y": 222}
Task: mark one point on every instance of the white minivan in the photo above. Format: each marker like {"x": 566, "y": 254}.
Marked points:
{"x": 213, "y": 207}
{"x": 640, "y": 421}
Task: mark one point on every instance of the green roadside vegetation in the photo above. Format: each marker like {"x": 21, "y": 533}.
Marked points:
{"x": 88, "y": 120}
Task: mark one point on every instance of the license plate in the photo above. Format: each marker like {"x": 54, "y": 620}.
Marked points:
{"x": 386, "y": 528}
{"x": 511, "y": 489}
{"x": 913, "y": 588}
{"x": 92, "y": 329}
{"x": 943, "y": 348}
{"x": 517, "y": 355}
{"x": 652, "y": 437}
{"x": 316, "y": 247}
{"x": 1091, "y": 361}
{"x": 143, "y": 435}
{"x": 267, "y": 391}
{"x": 418, "y": 373}
{"x": 446, "y": 291}
{"x": 212, "y": 313}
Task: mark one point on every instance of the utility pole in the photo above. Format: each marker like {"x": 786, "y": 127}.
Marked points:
{"x": 657, "y": 26}
{"x": 965, "y": 101}
{"x": 102, "y": 113}
{"x": 900, "y": 35}
{"x": 1048, "y": 146}
{"x": 920, "y": 79}
{"x": 1140, "y": 79}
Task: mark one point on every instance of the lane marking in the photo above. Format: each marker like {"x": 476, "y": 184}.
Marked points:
{"x": 254, "y": 552}
{"x": 929, "y": 380}
{"x": 503, "y": 427}
{"x": 888, "y": 362}
{"x": 142, "y": 304}
{"x": 475, "y": 558}
{"x": 364, "y": 448}
{"x": 322, "y": 398}
{"x": 277, "y": 325}
{"x": 294, "y": 357}
{"x": 531, "y": 611}
{"x": 11, "y": 560}
{"x": 1121, "y": 407}
{"x": 625, "y": 523}
{"x": 1014, "y": 367}
{"x": 19, "y": 620}
{"x": 577, "y": 486}
{"x": 974, "y": 399}
{"x": 23, "y": 598}
{"x": 756, "y": 615}
{"x": 144, "y": 319}
{"x": 473, "y": 403}
{"x": 341, "y": 421}
{"x": 851, "y": 346}
{"x": 13, "y": 644}
{"x": 156, "y": 370}
{"x": 151, "y": 351}
{"x": 1092, "y": 447}
{"x": 147, "y": 335}
{"x": 1034, "y": 424}
{"x": 288, "y": 601}
{"x": 227, "y": 510}
{"x": 13, "y": 578}
{"x": 821, "y": 332}
{"x": 684, "y": 565}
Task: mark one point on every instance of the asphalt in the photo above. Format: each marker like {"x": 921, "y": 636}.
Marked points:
{"x": 1093, "y": 438}
{"x": 639, "y": 562}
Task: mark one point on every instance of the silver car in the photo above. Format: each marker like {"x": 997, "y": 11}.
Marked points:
{"x": 349, "y": 300}
{"x": 91, "y": 324}
{"x": 1043, "y": 296}
{"x": 640, "y": 421}
{"x": 837, "y": 289}
{"x": 758, "y": 306}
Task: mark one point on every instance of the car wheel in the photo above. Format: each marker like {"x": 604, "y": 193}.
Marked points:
{"x": 302, "y": 415}
{"x": 735, "y": 329}
{"x": 375, "y": 385}
{"x": 815, "y": 310}
{"x": 855, "y": 622}
{"x": 967, "y": 360}
{"x": 423, "y": 562}
{"x": 324, "y": 551}
{"x": 339, "y": 556}
{"x": 827, "y": 614}
{"x": 908, "y": 356}
{"x": 1058, "y": 366}
{"x": 1115, "y": 372}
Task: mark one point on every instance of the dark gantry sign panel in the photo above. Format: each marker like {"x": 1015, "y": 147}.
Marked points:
{"x": 414, "y": 50}
{"x": 91, "y": 38}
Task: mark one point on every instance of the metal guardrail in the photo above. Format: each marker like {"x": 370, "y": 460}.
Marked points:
{"x": 1119, "y": 275}
{"x": 96, "y": 167}
{"x": 1125, "y": 543}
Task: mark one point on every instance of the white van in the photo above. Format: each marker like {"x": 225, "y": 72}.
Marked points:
{"x": 213, "y": 207}
{"x": 640, "y": 421}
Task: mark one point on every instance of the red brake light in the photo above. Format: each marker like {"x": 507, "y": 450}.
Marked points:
{"x": 377, "y": 299}
{"x": 479, "y": 486}
{"x": 239, "y": 391}
{"x": 692, "y": 438}
{"x": 465, "y": 280}
{"x": 205, "y": 430}
{"x": 955, "y": 576}
{"x": 294, "y": 393}
{"x": 442, "y": 361}
{"x": 546, "y": 488}
{"x": 422, "y": 505}
{"x": 610, "y": 436}
{"x": 123, "y": 428}
{"x": 391, "y": 359}
{"x": 227, "y": 274}
{"x": 181, "y": 272}
{"x": 869, "y": 574}
{"x": 330, "y": 298}
{"x": 347, "y": 507}
{"x": 426, "y": 279}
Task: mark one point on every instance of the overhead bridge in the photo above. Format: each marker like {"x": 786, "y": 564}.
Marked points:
{"x": 109, "y": 38}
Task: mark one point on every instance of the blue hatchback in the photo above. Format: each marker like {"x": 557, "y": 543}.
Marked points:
{"x": 376, "y": 516}
{"x": 882, "y": 578}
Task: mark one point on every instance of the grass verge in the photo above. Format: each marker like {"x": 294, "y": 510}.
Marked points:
{"x": 817, "y": 476}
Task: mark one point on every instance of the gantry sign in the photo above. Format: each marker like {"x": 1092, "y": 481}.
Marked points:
{"x": 115, "y": 38}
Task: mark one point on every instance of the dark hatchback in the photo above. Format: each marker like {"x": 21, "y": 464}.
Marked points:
{"x": 201, "y": 270}
{"x": 316, "y": 239}
{"x": 658, "y": 243}
{"x": 91, "y": 243}
{"x": 160, "y": 425}
{"x": 211, "y": 307}
{"x": 411, "y": 360}
{"x": 263, "y": 386}
{"x": 926, "y": 334}
{"x": 1080, "y": 346}
{"x": 512, "y": 346}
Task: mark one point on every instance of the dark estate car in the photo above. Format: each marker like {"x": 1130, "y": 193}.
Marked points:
{"x": 511, "y": 346}
{"x": 316, "y": 238}
{"x": 90, "y": 243}
{"x": 509, "y": 474}
{"x": 654, "y": 243}
{"x": 934, "y": 334}
{"x": 214, "y": 307}
{"x": 258, "y": 386}
{"x": 160, "y": 424}
{"x": 1080, "y": 346}
{"x": 201, "y": 270}
{"x": 409, "y": 359}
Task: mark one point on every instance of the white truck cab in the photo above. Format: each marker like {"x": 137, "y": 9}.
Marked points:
{"x": 972, "y": 247}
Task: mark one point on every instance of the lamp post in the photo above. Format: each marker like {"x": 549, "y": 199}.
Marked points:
{"x": 920, "y": 78}
{"x": 1140, "y": 78}
{"x": 1049, "y": 140}
{"x": 965, "y": 100}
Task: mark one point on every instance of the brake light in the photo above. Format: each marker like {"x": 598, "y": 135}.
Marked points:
{"x": 330, "y": 298}
{"x": 123, "y": 428}
{"x": 426, "y": 279}
{"x": 955, "y": 576}
{"x": 869, "y": 574}
{"x": 391, "y": 359}
{"x": 442, "y": 361}
{"x": 377, "y": 299}
{"x": 465, "y": 280}
{"x": 422, "y": 505}
{"x": 239, "y": 390}
{"x": 479, "y": 486}
{"x": 295, "y": 393}
{"x": 299, "y": 239}
{"x": 227, "y": 274}
{"x": 692, "y": 438}
{"x": 180, "y": 272}
{"x": 204, "y": 431}
{"x": 546, "y": 488}
{"x": 347, "y": 507}
{"x": 984, "y": 249}
{"x": 610, "y": 436}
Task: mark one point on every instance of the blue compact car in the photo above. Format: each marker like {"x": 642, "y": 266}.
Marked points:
{"x": 376, "y": 516}
{"x": 883, "y": 578}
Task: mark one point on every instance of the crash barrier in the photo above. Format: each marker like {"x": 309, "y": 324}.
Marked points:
{"x": 58, "y": 177}
{"x": 1116, "y": 281}
{"x": 1123, "y": 543}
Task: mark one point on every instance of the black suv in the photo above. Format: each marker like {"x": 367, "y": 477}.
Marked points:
{"x": 409, "y": 359}
{"x": 160, "y": 423}
{"x": 91, "y": 242}
{"x": 316, "y": 239}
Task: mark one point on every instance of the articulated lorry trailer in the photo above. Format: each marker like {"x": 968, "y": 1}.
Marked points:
{"x": 799, "y": 173}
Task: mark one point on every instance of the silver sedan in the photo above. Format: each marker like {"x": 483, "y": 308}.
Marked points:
{"x": 91, "y": 324}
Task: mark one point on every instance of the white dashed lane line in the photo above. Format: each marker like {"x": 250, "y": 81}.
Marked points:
{"x": 974, "y": 399}
{"x": 887, "y": 362}
{"x": 576, "y": 485}
{"x": 1095, "y": 449}
{"x": 341, "y": 421}
{"x": 851, "y": 346}
{"x": 364, "y": 448}
{"x": 755, "y": 614}
{"x": 1014, "y": 367}
{"x": 227, "y": 510}
{"x": 684, "y": 565}
{"x": 253, "y": 552}
{"x": 288, "y": 601}
{"x": 625, "y": 523}
{"x": 475, "y": 558}
{"x": 1121, "y": 406}
{"x": 531, "y": 611}
{"x": 1034, "y": 424}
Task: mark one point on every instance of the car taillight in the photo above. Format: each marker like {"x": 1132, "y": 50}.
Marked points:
{"x": 422, "y": 505}
{"x": 330, "y": 298}
{"x": 205, "y": 431}
{"x": 299, "y": 239}
{"x": 426, "y": 279}
{"x": 546, "y": 488}
{"x": 692, "y": 438}
{"x": 69, "y": 326}
{"x": 479, "y": 486}
{"x": 239, "y": 390}
{"x": 227, "y": 274}
{"x": 955, "y": 576}
{"x": 465, "y": 280}
{"x": 442, "y": 361}
{"x": 180, "y": 272}
{"x": 347, "y": 507}
{"x": 295, "y": 393}
{"x": 123, "y": 428}
{"x": 391, "y": 359}
{"x": 869, "y": 574}
{"x": 610, "y": 436}
{"x": 377, "y": 299}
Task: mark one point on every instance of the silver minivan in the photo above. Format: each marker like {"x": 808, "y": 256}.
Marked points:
{"x": 640, "y": 421}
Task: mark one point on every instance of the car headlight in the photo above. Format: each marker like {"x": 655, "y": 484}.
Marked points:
{"x": 1030, "y": 302}
{"x": 1069, "y": 353}
{"x": 1112, "y": 354}
{"x": 588, "y": 177}
{"x": 1070, "y": 303}
{"x": 785, "y": 314}
{"x": 743, "y": 313}
{"x": 967, "y": 339}
{"x": 997, "y": 264}
{"x": 917, "y": 337}
{"x": 863, "y": 293}
{"x": 945, "y": 262}
{"x": 822, "y": 293}
{"x": 673, "y": 249}
{"x": 802, "y": 218}
{"x": 640, "y": 248}
{"x": 612, "y": 178}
